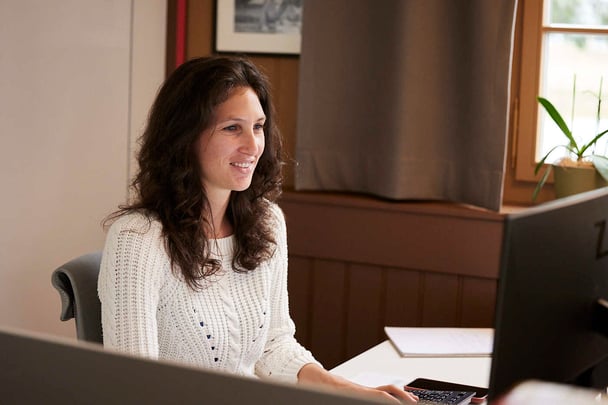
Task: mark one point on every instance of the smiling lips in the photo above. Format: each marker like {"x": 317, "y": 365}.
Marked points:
{"x": 242, "y": 165}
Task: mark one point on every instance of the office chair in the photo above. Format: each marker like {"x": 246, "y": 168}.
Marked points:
{"x": 76, "y": 282}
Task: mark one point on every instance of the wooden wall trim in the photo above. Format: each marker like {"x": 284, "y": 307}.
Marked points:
{"x": 434, "y": 237}
{"x": 352, "y": 200}
{"x": 200, "y": 23}
{"x": 170, "y": 36}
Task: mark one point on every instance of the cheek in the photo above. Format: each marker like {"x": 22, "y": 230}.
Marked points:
{"x": 201, "y": 155}
{"x": 206, "y": 153}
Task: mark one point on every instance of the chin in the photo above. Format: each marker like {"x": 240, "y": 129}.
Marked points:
{"x": 241, "y": 187}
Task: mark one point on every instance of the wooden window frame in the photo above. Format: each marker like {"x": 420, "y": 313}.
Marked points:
{"x": 525, "y": 106}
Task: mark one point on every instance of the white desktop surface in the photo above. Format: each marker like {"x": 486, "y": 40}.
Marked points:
{"x": 384, "y": 359}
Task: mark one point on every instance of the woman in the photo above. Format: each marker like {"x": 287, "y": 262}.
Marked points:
{"x": 195, "y": 268}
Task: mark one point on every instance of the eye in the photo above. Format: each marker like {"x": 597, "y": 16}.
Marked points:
{"x": 258, "y": 127}
{"x": 231, "y": 128}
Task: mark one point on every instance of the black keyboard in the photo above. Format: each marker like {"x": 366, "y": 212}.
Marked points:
{"x": 442, "y": 397}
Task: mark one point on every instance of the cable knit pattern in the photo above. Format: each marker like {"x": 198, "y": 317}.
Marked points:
{"x": 238, "y": 322}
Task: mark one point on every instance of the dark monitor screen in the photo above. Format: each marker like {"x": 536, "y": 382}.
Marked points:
{"x": 36, "y": 369}
{"x": 554, "y": 269}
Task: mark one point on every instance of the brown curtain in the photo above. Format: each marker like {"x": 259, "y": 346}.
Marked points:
{"x": 405, "y": 99}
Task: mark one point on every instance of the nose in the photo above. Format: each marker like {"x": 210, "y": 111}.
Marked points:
{"x": 251, "y": 141}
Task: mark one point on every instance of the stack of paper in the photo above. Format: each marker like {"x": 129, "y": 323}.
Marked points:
{"x": 441, "y": 342}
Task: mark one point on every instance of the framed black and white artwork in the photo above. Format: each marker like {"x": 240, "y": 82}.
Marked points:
{"x": 258, "y": 26}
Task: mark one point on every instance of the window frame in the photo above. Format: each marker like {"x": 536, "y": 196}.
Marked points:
{"x": 525, "y": 106}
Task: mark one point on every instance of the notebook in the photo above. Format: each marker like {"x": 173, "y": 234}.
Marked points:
{"x": 441, "y": 342}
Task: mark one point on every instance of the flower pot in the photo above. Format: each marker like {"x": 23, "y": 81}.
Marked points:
{"x": 572, "y": 180}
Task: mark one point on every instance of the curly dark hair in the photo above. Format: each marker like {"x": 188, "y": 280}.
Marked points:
{"x": 168, "y": 184}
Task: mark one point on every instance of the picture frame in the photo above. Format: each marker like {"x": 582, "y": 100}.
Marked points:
{"x": 258, "y": 26}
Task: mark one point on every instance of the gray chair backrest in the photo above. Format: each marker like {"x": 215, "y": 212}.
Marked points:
{"x": 76, "y": 282}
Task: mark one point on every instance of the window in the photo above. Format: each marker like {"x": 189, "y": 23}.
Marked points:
{"x": 564, "y": 47}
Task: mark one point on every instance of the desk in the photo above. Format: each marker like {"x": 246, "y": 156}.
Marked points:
{"x": 384, "y": 359}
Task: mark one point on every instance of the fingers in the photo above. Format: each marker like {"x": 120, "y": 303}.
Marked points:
{"x": 399, "y": 393}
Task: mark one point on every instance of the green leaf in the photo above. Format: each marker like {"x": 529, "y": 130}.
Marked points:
{"x": 542, "y": 182}
{"x": 542, "y": 161}
{"x": 601, "y": 165}
{"x": 593, "y": 141}
{"x": 557, "y": 118}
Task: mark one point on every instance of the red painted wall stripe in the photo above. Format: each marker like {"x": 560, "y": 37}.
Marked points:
{"x": 180, "y": 32}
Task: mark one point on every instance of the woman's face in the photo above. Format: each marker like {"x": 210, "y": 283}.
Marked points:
{"x": 228, "y": 151}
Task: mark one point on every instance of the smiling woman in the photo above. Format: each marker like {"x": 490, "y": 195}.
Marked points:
{"x": 185, "y": 178}
{"x": 194, "y": 270}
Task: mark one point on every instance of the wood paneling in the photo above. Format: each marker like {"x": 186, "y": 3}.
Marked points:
{"x": 328, "y": 311}
{"x": 445, "y": 238}
{"x": 342, "y": 291}
{"x": 440, "y": 300}
{"x": 201, "y": 26}
{"x": 300, "y": 280}
{"x": 341, "y": 308}
{"x": 366, "y": 300}
{"x": 171, "y": 36}
{"x": 403, "y": 298}
{"x": 478, "y": 302}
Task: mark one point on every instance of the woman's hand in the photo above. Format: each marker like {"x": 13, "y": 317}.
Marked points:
{"x": 390, "y": 393}
{"x": 313, "y": 374}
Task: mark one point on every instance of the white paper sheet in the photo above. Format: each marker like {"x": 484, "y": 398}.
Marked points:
{"x": 441, "y": 342}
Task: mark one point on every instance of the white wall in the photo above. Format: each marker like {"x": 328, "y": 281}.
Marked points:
{"x": 76, "y": 81}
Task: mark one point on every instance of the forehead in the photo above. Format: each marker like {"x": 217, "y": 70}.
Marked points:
{"x": 243, "y": 99}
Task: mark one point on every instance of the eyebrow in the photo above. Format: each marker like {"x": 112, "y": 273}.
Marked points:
{"x": 239, "y": 119}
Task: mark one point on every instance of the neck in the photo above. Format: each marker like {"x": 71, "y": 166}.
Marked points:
{"x": 221, "y": 226}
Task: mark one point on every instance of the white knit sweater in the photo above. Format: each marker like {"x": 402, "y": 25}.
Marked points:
{"x": 238, "y": 323}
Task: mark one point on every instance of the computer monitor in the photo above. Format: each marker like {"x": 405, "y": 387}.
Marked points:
{"x": 554, "y": 269}
{"x": 37, "y": 369}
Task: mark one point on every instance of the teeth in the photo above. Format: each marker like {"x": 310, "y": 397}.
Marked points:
{"x": 241, "y": 164}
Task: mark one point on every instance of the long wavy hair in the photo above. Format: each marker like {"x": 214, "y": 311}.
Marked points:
{"x": 168, "y": 184}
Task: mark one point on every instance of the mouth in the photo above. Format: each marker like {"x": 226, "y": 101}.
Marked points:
{"x": 242, "y": 165}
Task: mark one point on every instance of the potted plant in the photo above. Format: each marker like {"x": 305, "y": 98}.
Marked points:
{"x": 582, "y": 169}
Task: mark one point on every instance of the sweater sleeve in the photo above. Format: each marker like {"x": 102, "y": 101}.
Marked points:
{"x": 283, "y": 356}
{"x": 129, "y": 283}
